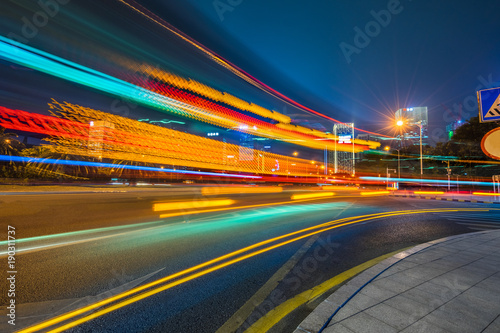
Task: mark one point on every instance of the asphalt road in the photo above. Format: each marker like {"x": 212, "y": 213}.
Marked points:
{"x": 82, "y": 248}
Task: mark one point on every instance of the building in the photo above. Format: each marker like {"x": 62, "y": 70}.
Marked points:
{"x": 343, "y": 161}
{"x": 414, "y": 120}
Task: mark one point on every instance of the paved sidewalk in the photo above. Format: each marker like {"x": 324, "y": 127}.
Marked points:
{"x": 447, "y": 285}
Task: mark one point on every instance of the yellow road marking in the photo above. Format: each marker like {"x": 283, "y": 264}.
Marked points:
{"x": 237, "y": 319}
{"x": 278, "y": 313}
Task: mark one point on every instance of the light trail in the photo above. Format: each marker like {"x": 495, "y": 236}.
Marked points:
{"x": 308, "y": 232}
{"x": 312, "y": 195}
{"x": 160, "y": 207}
{"x": 223, "y": 190}
{"x": 110, "y": 165}
{"x": 375, "y": 193}
{"x": 433, "y": 181}
{"x": 163, "y": 98}
{"x": 246, "y": 207}
{"x": 429, "y": 192}
{"x": 486, "y": 194}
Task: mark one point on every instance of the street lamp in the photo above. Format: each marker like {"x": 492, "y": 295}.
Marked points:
{"x": 401, "y": 123}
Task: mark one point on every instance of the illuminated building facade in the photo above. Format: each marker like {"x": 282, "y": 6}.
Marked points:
{"x": 413, "y": 118}
{"x": 344, "y": 159}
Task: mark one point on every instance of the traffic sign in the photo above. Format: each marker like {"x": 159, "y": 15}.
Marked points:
{"x": 490, "y": 143}
{"x": 489, "y": 104}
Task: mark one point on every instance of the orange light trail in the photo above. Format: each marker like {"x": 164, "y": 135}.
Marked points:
{"x": 222, "y": 190}
{"x": 312, "y": 195}
{"x": 195, "y": 204}
{"x": 486, "y": 194}
{"x": 375, "y": 193}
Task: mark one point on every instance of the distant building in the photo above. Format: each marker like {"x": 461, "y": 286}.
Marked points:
{"x": 413, "y": 119}
{"x": 343, "y": 161}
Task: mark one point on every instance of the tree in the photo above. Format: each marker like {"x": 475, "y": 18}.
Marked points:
{"x": 9, "y": 145}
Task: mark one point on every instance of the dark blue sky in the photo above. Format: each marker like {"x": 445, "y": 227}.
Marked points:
{"x": 431, "y": 53}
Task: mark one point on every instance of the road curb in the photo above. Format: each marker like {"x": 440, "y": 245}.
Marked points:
{"x": 443, "y": 199}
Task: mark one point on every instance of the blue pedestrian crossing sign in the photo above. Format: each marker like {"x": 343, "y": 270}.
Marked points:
{"x": 489, "y": 104}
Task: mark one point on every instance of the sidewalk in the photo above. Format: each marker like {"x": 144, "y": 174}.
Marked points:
{"x": 447, "y": 285}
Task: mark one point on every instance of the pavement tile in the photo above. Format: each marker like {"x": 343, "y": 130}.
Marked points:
{"x": 409, "y": 306}
{"x": 399, "y": 267}
{"x": 391, "y": 316}
{"x": 432, "y": 294}
{"x": 420, "y": 259}
{"x": 483, "y": 249}
{"x": 473, "y": 309}
{"x": 343, "y": 293}
{"x": 337, "y": 328}
{"x": 492, "y": 258}
{"x": 427, "y": 271}
{"x": 405, "y": 278}
{"x": 459, "y": 279}
{"x": 483, "y": 298}
{"x": 424, "y": 326}
{"x": 443, "y": 264}
{"x": 454, "y": 322}
{"x": 361, "y": 301}
{"x": 378, "y": 293}
{"x": 493, "y": 327}
{"x": 364, "y": 323}
{"x": 491, "y": 284}
{"x": 485, "y": 265}
{"x": 440, "y": 250}
{"x": 435, "y": 254}
{"x": 391, "y": 283}
{"x": 346, "y": 311}
{"x": 463, "y": 257}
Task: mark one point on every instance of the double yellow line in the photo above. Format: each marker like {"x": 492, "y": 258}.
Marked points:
{"x": 155, "y": 287}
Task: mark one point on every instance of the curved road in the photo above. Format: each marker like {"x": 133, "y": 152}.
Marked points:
{"x": 76, "y": 250}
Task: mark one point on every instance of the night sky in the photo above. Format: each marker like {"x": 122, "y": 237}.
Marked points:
{"x": 414, "y": 53}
